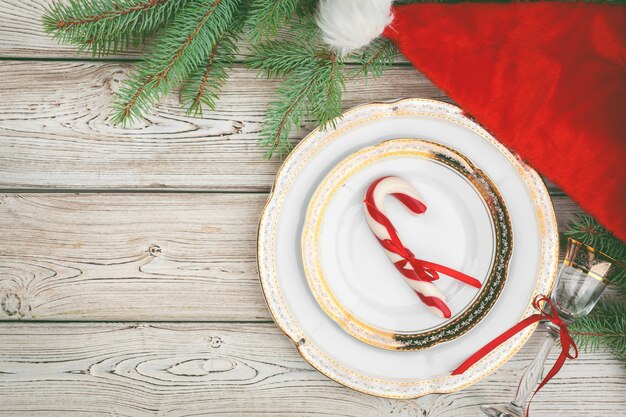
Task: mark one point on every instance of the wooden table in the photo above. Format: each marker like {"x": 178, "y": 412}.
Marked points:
{"x": 128, "y": 283}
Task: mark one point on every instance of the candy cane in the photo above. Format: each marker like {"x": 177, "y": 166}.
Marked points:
{"x": 418, "y": 273}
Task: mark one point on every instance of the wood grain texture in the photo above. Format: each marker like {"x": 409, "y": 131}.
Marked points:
{"x": 136, "y": 256}
{"x": 184, "y": 370}
{"x": 130, "y": 257}
{"x": 55, "y": 130}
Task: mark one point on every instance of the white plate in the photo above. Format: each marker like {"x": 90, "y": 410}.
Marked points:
{"x": 466, "y": 227}
{"x": 325, "y": 345}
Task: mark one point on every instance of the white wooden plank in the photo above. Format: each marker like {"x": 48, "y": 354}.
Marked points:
{"x": 139, "y": 256}
{"x": 136, "y": 256}
{"x": 184, "y": 370}
{"x": 55, "y": 130}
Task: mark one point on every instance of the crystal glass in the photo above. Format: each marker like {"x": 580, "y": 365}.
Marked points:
{"x": 581, "y": 279}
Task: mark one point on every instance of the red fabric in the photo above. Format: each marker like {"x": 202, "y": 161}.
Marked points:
{"x": 547, "y": 79}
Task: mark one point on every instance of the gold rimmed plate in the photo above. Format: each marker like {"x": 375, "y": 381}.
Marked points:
{"x": 318, "y": 338}
{"x": 466, "y": 227}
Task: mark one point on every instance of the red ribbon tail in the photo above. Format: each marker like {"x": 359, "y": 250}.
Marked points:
{"x": 496, "y": 342}
{"x": 558, "y": 364}
{"x": 452, "y": 273}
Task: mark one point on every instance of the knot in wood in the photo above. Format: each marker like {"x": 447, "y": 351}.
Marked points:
{"x": 11, "y": 304}
{"x": 238, "y": 126}
{"x": 215, "y": 342}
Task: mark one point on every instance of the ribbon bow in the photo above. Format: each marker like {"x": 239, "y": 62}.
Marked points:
{"x": 424, "y": 270}
{"x": 568, "y": 347}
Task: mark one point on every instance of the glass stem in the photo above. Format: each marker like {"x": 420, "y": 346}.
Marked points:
{"x": 533, "y": 373}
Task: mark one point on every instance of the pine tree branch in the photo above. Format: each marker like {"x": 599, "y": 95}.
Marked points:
{"x": 109, "y": 14}
{"x": 598, "y": 334}
{"x": 102, "y": 26}
{"x": 267, "y": 17}
{"x": 204, "y": 84}
{"x": 331, "y": 80}
{"x": 180, "y": 50}
{"x": 197, "y": 99}
{"x": 326, "y": 99}
{"x": 280, "y": 58}
{"x": 377, "y": 54}
{"x": 376, "y": 58}
{"x": 314, "y": 84}
{"x": 282, "y": 115}
{"x": 287, "y": 115}
{"x": 165, "y": 72}
{"x": 605, "y": 327}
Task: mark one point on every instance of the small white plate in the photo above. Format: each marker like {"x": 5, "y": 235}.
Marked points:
{"x": 466, "y": 227}
{"x": 325, "y": 345}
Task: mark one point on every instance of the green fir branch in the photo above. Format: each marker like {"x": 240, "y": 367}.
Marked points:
{"x": 268, "y": 16}
{"x": 303, "y": 28}
{"x": 605, "y": 328}
{"x": 313, "y": 87}
{"x": 280, "y": 58}
{"x": 376, "y": 58}
{"x": 205, "y": 83}
{"x": 282, "y": 115}
{"x": 325, "y": 103}
{"x": 183, "y": 47}
{"x": 103, "y": 26}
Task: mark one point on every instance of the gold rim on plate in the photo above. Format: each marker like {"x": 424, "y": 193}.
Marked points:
{"x": 474, "y": 311}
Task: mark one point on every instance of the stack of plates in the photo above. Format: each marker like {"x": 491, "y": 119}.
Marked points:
{"x": 331, "y": 288}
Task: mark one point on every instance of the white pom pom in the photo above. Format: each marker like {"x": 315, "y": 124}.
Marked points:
{"x": 348, "y": 25}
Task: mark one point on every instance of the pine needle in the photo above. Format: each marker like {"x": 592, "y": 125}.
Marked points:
{"x": 186, "y": 45}
{"x": 280, "y": 58}
{"x": 103, "y": 26}
{"x": 325, "y": 102}
{"x": 268, "y": 16}
{"x": 314, "y": 84}
{"x": 204, "y": 84}
{"x": 376, "y": 58}
{"x": 605, "y": 327}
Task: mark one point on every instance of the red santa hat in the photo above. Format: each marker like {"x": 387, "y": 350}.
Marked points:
{"x": 548, "y": 79}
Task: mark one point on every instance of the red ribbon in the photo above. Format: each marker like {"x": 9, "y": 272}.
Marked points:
{"x": 424, "y": 270}
{"x": 567, "y": 344}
